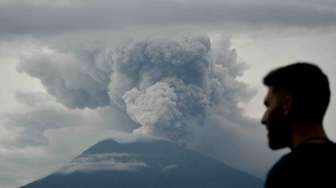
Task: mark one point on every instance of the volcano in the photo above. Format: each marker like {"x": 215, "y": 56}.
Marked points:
{"x": 146, "y": 163}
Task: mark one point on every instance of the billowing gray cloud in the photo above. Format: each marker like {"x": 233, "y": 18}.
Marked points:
{"x": 171, "y": 86}
{"x": 167, "y": 86}
{"x": 184, "y": 89}
{"x": 76, "y": 82}
{"x": 43, "y": 18}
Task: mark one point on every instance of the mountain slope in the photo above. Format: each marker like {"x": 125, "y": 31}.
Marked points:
{"x": 145, "y": 164}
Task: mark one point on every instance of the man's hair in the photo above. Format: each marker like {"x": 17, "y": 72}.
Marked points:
{"x": 308, "y": 86}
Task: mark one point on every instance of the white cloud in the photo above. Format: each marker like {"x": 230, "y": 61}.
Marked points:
{"x": 103, "y": 162}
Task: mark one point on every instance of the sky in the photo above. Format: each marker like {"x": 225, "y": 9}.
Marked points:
{"x": 75, "y": 72}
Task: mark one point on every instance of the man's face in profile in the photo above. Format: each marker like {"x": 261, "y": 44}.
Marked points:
{"x": 275, "y": 120}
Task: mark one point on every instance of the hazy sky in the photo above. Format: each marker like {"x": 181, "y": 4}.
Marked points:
{"x": 61, "y": 92}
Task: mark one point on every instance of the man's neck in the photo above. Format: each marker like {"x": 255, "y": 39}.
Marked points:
{"x": 307, "y": 133}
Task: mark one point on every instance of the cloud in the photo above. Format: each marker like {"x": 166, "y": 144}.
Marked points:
{"x": 46, "y": 17}
{"x": 40, "y": 113}
{"x": 29, "y": 125}
{"x": 104, "y": 162}
{"x": 32, "y": 99}
{"x": 170, "y": 86}
{"x": 167, "y": 94}
{"x": 167, "y": 86}
{"x": 74, "y": 81}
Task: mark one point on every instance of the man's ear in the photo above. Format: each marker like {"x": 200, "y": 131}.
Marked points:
{"x": 287, "y": 104}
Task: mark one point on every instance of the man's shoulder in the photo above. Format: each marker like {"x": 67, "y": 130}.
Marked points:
{"x": 280, "y": 174}
{"x": 308, "y": 164}
{"x": 311, "y": 156}
{"x": 315, "y": 151}
{"x": 283, "y": 165}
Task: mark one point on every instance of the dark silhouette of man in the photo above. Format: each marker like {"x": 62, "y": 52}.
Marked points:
{"x": 296, "y": 102}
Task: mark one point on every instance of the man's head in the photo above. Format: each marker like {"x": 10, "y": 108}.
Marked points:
{"x": 298, "y": 94}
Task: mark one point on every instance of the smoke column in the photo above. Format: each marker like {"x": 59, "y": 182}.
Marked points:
{"x": 168, "y": 86}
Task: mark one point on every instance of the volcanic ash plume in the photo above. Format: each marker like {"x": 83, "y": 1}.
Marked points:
{"x": 168, "y": 87}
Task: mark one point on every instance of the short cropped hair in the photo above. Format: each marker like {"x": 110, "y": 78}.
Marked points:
{"x": 308, "y": 86}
